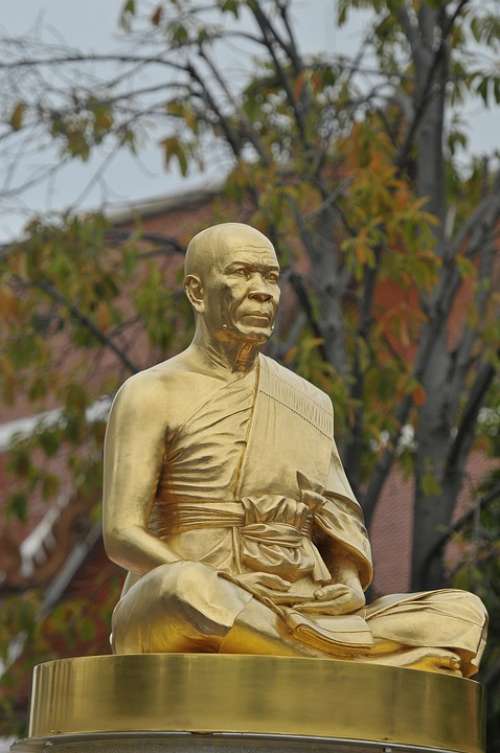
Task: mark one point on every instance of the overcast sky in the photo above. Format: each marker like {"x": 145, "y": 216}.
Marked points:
{"x": 92, "y": 25}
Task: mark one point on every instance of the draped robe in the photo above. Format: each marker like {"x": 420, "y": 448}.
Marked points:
{"x": 252, "y": 485}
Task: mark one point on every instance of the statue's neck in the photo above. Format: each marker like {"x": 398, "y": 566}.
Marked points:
{"x": 224, "y": 352}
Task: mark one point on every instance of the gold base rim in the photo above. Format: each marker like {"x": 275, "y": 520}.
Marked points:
{"x": 213, "y": 742}
{"x": 259, "y": 695}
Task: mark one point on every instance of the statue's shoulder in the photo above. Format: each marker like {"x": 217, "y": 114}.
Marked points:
{"x": 275, "y": 373}
{"x": 150, "y": 386}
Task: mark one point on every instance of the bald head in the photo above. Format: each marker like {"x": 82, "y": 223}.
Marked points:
{"x": 231, "y": 281}
{"x": 216, "y": 244}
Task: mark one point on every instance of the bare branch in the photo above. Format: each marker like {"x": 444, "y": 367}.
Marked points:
{"x": 56, "y": 296}
{"x": 267, "y": 27}
{"x": 57, "y": 60}
{"x": 466, "y": 430}
{"x": 268, "y": 33}
{"x": 300, "y": 290}
{"x": 247, "y": 126}
{"x": 409, "y": 28}
{"x": 424, "y": 98}
{"x": 231, "y": 137}
{"x": 167, "y": 244}
{"x": 354, "y": 448}
{"x": 482, "y": 504}
{"x": 486, "y": 213}
{"x": 293, "y": 48}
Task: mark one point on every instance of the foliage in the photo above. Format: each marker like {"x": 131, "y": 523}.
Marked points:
{"x": 356, "y": 168}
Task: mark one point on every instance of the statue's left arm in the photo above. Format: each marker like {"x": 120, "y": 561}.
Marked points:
{"x": 342, "y": 538}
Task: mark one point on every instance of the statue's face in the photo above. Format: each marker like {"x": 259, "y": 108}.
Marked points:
{"x": 241, "y": 292}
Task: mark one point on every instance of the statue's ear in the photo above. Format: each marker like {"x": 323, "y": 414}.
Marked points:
{"x": 195, "y": 293}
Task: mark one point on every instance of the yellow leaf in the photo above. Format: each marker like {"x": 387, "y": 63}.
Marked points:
{"x": 102, "y": 316}
{"x": 17, "y": 116}
{"x": 9, "y": 304}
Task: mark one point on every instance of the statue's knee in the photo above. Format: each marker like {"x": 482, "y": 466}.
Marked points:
{"x": 193, "y": 577}
{"x": 476, "y": 606}
{"x": 466, "y": 603}
{"x": 180, "y": 579}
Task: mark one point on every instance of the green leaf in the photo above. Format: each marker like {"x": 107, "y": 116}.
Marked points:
{"x": 17, "y": 506}
{"x": 430, "y": 485}
{"x": 128, "y": 11}
{"x": 496, "y": 90}
{"x": 483, "y": 89}
{"x": 86, "y": 628}
{"x": 50, "y": 486}
{"x": 475, "y": 28}
{"x": 465, "y": 267}
{"x": 76, "y": 397}
{"x": 19, "y": 461}
{"x": 178, "y": 33}
{"x": 173, "y": 148}
{"x": 49, "y": 440}
{"x": 230, "y": 6}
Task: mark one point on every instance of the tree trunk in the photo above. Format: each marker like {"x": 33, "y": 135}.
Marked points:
{"x": 329, "y": 290}
{"x": 432, "y": 511}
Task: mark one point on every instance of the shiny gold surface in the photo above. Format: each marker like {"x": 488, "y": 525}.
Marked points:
{"x": 226, "y": 500}
{"x": 249, "y": 694}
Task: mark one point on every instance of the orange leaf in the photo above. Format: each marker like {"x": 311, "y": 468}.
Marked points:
{"x": 419, "y": 395}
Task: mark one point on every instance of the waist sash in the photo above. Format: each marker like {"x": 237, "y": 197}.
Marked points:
{"x": 270, "y": 534}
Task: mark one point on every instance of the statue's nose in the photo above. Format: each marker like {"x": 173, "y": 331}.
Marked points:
{"x": 260, "y": 295}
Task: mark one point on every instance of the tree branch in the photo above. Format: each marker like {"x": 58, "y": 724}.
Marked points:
{"x": 89, "y": 58}
{"x": 247, "y": 126}
{"x": 293, "y": 48}
{"x": 267, "y": 28}
{"x": 164, "y": 242}
{"x": 482, "y": 504}
{"x": 424, "y": 96}
{"x": 354, "y": 447}
{"x": 488, "y": 210}
{"x": 461, "y": 357}
{"x": 300, "y": 290}
{"x": 56, "y": 296}
{"x": 266, "y": 25}
{"x": 410, "y": 30}
{"x": 229, "y": 134}
{"x": 465, "y": 433}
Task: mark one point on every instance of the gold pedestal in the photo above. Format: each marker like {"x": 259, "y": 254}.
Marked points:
{"x": 247, "y": 703}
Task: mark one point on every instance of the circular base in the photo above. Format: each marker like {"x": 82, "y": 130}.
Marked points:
{"x": 190, "y": 742}
{"x": 255, "y": 695}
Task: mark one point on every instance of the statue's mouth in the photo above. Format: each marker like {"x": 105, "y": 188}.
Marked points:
{"x": 258, "y": 317}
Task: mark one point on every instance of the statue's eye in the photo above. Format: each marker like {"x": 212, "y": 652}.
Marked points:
{"x": 272, "y": 277}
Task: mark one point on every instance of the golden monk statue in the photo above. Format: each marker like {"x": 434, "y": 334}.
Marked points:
{"x": 226, "y": 500}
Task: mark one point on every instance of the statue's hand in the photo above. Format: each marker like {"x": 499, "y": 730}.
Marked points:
{"x": 345, "y": 593}
{"x": 341, "y": 598}
{"x": 264, "y": 581}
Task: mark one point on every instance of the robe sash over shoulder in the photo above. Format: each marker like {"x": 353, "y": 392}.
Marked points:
{"x": 288, "y": 407}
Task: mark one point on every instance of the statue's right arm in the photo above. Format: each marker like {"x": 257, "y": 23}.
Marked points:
{"x": 133, "y": 454}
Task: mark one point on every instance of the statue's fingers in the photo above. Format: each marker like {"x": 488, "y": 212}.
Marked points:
{"x": 275, "y": 582}
{"x": 334, "y": 591}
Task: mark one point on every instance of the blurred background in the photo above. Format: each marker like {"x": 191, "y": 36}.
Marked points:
{"x": 363, "y": 137}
